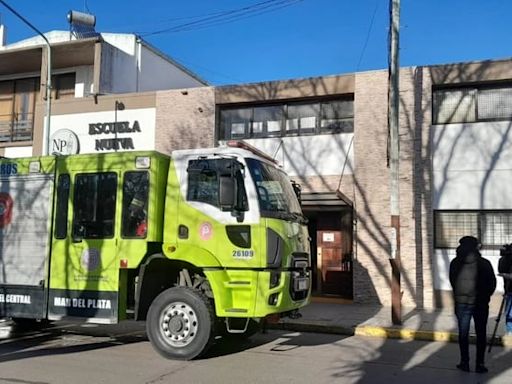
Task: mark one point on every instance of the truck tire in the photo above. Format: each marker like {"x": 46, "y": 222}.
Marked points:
{"x": 180, "y": 323}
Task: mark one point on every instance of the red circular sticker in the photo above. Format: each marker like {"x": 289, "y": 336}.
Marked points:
{"x": 206, "y": 231}
{"x": 5, "y": 209}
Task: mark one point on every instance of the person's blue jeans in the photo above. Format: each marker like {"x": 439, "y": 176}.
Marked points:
{"x": 508, "y": 313}
{"x": 480, "y": 314}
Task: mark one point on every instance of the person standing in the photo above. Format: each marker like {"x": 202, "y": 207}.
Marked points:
{"x": 473, "y": 282}
{"x": 505, "y": 270}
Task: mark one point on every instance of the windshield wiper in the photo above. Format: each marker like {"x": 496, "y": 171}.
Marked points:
{"x": 291, "y": 216}
{"x": 300, "y": 218}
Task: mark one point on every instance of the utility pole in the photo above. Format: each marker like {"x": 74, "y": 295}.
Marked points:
{"x": 394, "y": 153}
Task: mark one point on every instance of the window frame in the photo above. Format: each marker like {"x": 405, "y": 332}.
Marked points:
{"x": 63, "y": 94}
{"x": 15, "y": 98}
{"x": 476, "y": 88}
{"x": 75, "y": 210}
{"x": 480, "y": 225}
{"x": 224, "y": 133}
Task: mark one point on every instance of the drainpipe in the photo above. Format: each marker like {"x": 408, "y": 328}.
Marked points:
{"x": 48, "y": 75}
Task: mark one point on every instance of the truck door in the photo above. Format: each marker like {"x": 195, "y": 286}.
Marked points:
{"x": 85, "y": 265}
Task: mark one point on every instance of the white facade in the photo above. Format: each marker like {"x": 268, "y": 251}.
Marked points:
{"x": 472, "y": 169}
{"x": 318, "y": 155}
{"x": 93, "y": 131}
{"x": 134, "y": 66}
{"x": 472, "y": 165}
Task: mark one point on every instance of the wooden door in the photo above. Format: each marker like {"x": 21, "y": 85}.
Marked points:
{"x": 329, "y": 259}
{"x": 334, "y": 256}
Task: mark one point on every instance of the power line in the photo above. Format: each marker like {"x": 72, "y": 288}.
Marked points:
{"x": 202, "y": 68}
{"x": 368, "y": 34}
{"x": 227, "y": 16}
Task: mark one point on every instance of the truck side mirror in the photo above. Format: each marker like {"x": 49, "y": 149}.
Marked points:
{"x": 227, "y": 192}
{"x": 297, "y": 189}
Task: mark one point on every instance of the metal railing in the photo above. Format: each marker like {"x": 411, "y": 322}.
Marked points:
{"x": 17, "y": 127}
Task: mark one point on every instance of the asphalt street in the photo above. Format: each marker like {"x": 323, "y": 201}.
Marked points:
{"x": 70, "y": 353}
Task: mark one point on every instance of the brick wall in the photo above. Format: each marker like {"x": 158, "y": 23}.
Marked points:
{"x": 372, "y": 270}
{"x": 185, "y": 119}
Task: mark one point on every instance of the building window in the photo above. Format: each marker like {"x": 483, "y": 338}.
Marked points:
{"x": 94, "y": 205}
{"x": 287, "y": 119}
{"x": 472, "y": 104}
{"x": 492, "y": 228}
{"x": 64, "y": 86}
{"x": 17, "y": 105}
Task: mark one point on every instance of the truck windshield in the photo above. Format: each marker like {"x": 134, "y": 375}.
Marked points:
{"x": 275, "y": 192}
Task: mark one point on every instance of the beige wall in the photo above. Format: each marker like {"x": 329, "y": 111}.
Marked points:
{"x": 285, "y": 89}
{"x": 372, "y": 270}
{"x": 185, "y": 119}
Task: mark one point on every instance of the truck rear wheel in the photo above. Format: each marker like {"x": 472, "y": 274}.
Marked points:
{"x": 180, "y": 323}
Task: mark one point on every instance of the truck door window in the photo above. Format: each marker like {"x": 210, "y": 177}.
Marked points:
{"x": 135, "y": 204}
{"x": 203, "y": 182}
{"x": 94, "y": 205}
{"x": 61, "y": 214}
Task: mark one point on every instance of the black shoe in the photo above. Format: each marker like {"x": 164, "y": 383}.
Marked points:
{"x": 463, "y": 367}
{"x": 480, "y": 368}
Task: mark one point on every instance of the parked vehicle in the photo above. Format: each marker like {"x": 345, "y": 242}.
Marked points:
{"x": 200, "y": 243}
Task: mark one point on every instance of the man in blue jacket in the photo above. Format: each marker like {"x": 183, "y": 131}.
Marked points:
{"x": 473, "y": 281}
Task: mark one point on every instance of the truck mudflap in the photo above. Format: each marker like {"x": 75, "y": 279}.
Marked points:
{"x": 22, "y": 301}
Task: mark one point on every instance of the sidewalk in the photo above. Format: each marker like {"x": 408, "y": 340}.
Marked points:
{"x": 371, "y": 320}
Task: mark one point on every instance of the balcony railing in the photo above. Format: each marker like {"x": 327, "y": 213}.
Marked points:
{"x": 17, "y": 127}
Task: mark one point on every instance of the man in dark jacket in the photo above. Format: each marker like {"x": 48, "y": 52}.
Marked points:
{"x": 505, "y": 270}
{"x": 473, "y": 282}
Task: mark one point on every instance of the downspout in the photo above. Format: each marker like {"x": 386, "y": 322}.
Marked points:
{"x": 138, "y": 54}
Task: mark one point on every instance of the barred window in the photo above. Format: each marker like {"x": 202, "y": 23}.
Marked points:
{"x": 495, "y": 103}
{"x": 472, "y": 104}
{"x": 492, "y": 228}
{"x": 454, "y": 106}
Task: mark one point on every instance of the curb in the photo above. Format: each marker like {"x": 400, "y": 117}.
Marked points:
{"x": 381, "y": 332}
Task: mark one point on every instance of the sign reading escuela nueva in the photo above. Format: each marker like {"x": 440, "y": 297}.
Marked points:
{"x": 97, "y": 132}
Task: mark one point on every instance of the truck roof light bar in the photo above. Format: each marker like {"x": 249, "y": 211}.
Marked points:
{"x": 243, "y": 145}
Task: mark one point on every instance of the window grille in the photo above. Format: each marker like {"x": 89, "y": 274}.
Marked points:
{"x": 467, "y": 105}
{"x": 492, "y": 228}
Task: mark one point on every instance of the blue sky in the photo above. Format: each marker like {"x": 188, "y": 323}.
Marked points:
{"x": 299, "y": 39}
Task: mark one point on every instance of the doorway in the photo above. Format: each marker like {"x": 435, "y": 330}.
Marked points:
{"x": 331, "y": 251}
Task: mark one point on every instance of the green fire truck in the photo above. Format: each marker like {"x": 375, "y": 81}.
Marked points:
{"x": 200, "y": 243}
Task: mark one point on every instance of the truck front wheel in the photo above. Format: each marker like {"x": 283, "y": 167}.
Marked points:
{"x": 180, "y": 323}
